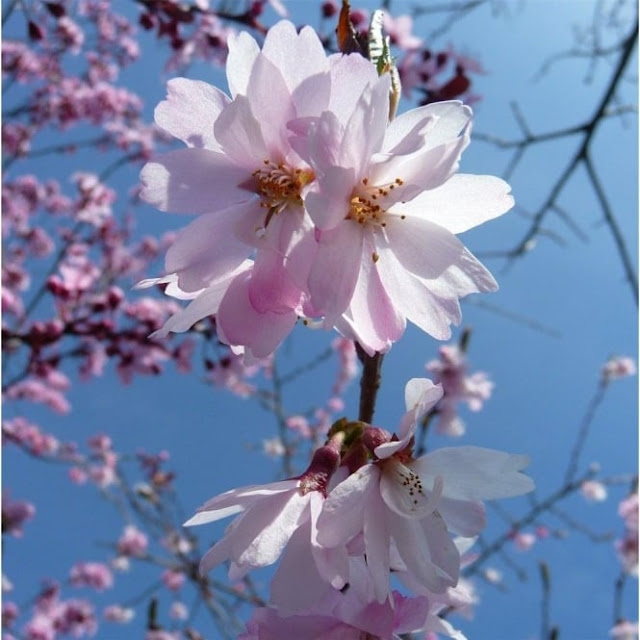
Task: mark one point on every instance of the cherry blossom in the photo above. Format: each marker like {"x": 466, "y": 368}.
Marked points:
{"x": 386, "y": 210}
{"x": 404, "y": 508}
{"x": 270, "y": 515}
{"x": 450, "y": 370}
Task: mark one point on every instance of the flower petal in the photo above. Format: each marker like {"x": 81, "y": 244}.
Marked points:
{"x": 343, "y": 510}
{"x": 413, "y": 298}
{"x": 373, "y": 316}
{"x": 243, "y": 51}
{"x": 464, "y": 517}
{"x": 475, "y": 473}
{"x": 269, "y": 97}
{"x": 422, "y": 247}
{"x": 190, "y": 111}
{"x": 329, "y": 206}
{"x": 205, "y": 250}
{"x": 464, "y": 201}
{"x": 376, "y": 539}
{"x": 240, "y": 324}
{"x": 402, "y": 491}
{"x": 440, "y": 122}
{"x": 334, "y": 273}
{"x": 240, "y": 135}
{"x": 427, "y": 550}
{"x": 192, "y": 181}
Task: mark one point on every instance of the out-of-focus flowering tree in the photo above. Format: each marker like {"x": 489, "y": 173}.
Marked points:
{"x": 325, "y": 177}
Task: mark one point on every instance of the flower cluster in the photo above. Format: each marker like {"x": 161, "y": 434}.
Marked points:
{"x": 313, "y": 202}
{"x": 359, "y": 514}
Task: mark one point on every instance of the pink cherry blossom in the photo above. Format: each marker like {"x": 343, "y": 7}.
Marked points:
{"x": 399, "y": 30}
{"x": 387, "y": 201}
{"x": 173, "y": 579}
{"x": 239, "y": 168}
{"x": 450, "y": 370}
{"x": 132, "y": 542}
{"x": 270, "y": 516}
{"x": 523, "y": 540}
{"x": 95, "y": 575}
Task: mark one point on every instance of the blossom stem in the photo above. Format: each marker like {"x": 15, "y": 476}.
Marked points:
{"x": 369, "y": 382}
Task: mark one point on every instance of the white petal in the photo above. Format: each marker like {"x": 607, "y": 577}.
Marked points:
{"x": 475, "y": 473}
{"x": 377, "y": 545}
{"x": 240, "y": 135}
{"x": 206, "y": 251}
{"x": 403, "y": 493}
{"x": 464, "y": 517}
{"x": 192, "y": 181}
{"x": 352, "y": 74}
{"x": 446, "y": 120}
{"x": 422, "y": 247}
{"x": 342, "y": 513}
{"x": 413, "y": 298}
{"x": 190, "y": 111}
{"x": 462, "y": 202}
{"x": 243, "y": 51}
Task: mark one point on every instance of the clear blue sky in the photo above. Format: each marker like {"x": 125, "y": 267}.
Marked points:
{"x": 543, "y": 383}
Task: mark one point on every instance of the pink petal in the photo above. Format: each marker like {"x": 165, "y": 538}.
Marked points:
{"x": 215, "y": 556}
{"x": 364, "y": 133}
{"x": 240, "y": 135}
{"x": 462, "y": 202}
{"x": 297, "y": 585}
{"x": 424, "y": 546}
{"x": 399, "y": 488}
{"x": 240, "y": 324}
{"x": 334, "y": 273}
{"x": 269, "y": 526}
{"x": 190, "y": 110}
{"x": 271, "y": 288}
{"x": 372, "y": 312}
{"x": 309, "y": 84}
{"x": 467, "y": 276}
{"x": 269, "y": 97}
{"x": 192, "y": 181}
{"x": 329, "y": 206}
{"x": 205, "y": 305}
{"x": 205, "y": 250}
{"x": 352, "y": 73}
{"x": 242, "y": 499}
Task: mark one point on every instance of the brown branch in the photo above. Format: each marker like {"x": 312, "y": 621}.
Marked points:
{"x": 369, "y": 382}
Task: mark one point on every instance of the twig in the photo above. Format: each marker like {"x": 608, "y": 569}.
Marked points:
{"x": 369, "y": 382}
{"x": 583, "y": 432}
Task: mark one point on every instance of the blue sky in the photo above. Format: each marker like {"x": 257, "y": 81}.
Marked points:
{"x": 543, "y": 382}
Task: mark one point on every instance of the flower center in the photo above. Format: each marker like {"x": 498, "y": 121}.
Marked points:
{"x": 279, "y": 186}
{"x": 365, "y": 207}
